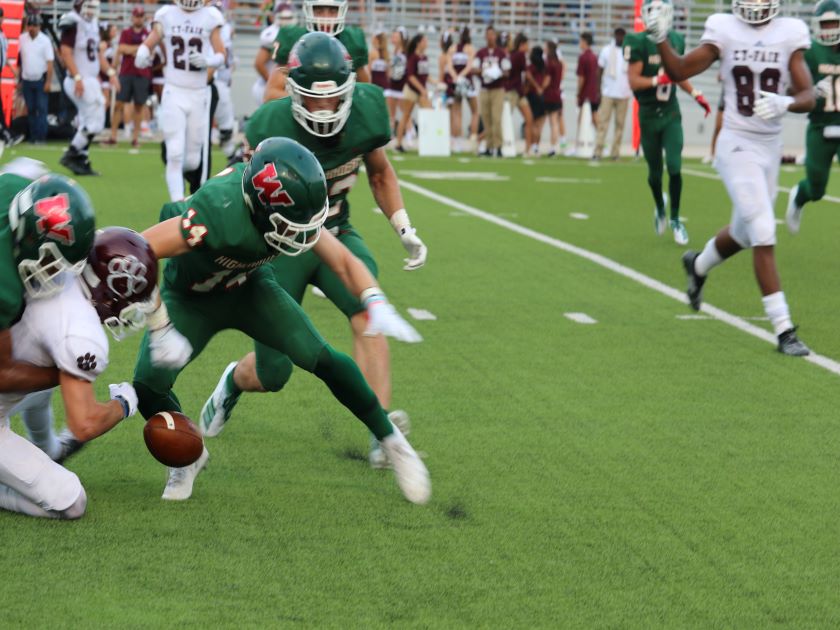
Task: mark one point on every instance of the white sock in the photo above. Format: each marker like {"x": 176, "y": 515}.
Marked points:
{"x": 13, "y": 501}
{"x": 707, "y": 259}
{"x": 79, "y": 141}
{"x": 777, "y": 311}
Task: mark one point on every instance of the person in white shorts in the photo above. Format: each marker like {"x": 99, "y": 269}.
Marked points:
{"x": 283, "y": 15}
{"x": 764, "y": 76}
{"x": 222, "y": 80}
{"x": 118, "y": 287}
{"x": 83, "y": 61}
{"x": 190, "y": 34}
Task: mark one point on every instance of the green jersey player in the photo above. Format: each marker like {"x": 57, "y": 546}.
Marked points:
{"x": 220, "y": 241}
{"x": 46, "y": 230}
{"x": 345, "y": 125}
{"x": 822, "y": 139}
{"x": 660, "y": 120}
{"x": 325, "y": 16}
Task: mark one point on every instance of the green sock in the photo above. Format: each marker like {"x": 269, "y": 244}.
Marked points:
{"x": 675, "y": 188}
{"x": 803, "y": 194}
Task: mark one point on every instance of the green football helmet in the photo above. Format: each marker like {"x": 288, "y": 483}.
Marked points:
{"x": 286, "y": 191}
{"x": 320, "y": 70}
{"x": 827, "y": 12}
{"x": 53, "y": 225}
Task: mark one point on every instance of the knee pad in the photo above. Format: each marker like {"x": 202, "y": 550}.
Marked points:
{"x": 274, "y": 373}
{"x": 77, "y": 510}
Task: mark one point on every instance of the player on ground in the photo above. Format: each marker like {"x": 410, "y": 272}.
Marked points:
{"x": 220, "y": 240}
{"x": 822, "y": 139}
{"x": 345, "y": 124}
{"x": 660, "y": 121}
{"x": 284, "y": 15}
{"x": 64, "y": 331}
{"x": 325, "y": 16}
{"x": 83, "y": 60}
{"x": 190, "y": 33}
{"x": 761, "y": 60}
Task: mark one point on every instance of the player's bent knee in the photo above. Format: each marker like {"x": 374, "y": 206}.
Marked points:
{"x": 274, "y": 375}
{"x": 77, "y": 510}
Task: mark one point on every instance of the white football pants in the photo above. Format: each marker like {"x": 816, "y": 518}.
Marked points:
{"x": 185, "y": 123}
{"x": 224, "y": 108}
{"x": 90, "y": 106}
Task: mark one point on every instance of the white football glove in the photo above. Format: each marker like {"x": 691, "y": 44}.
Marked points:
{"x": 197, "y": 60}
{"x": 143, "y": 57}
{"x": 824, "y": 87}
{"x": 771, "y": 105}
{"x": 168, "y": 348}
{"x": 658, "y": 18}
{"x": 126, "y": 395}
{"x": 383, "y": 319}
{"x": 416, "y": 249}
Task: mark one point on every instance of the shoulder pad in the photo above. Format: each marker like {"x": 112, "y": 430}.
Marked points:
{"x": 68, "y": 20}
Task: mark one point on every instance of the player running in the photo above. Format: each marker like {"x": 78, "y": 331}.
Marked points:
{"x": 345, "y": 124}
{"x": 822, "y": 139}
{"x": 64, "y": 331}
{"x": 190, "y": 33}
{"x": 761, "y": 60}
{"x": 220, "y": 241}
{"x": 325, "y": 16}
{"x": 660, "y": 120}
{"x": 83, "y": 60}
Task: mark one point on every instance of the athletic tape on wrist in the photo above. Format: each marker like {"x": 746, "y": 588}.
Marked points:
{"x": 400, "y": 221}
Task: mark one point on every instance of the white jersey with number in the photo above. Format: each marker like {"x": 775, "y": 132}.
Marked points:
{"x": 83, "y": 37}
{"x": 185, "y": 32}
{"x": 62, "y": 330}
{"x": 753, "y": 59}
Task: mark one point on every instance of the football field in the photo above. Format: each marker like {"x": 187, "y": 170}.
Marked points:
{"x": 600, "y": 455}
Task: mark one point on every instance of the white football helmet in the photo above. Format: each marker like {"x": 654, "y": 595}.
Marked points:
{"x": 284, "y": 14}
{"x": 755, "y": 11}
{"x": 332, "y": 24}
{"x": 88, "y": 9}
{"x": 189, "y": 5}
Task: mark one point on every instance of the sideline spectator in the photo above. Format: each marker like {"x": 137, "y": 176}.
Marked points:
{"x": 4, "y": 61}
{"x": 447, "y": 75}
{"x": 134, "y": 83}
{"x": 465, "y": 88}
{"x": 588, "y": 89}
{"x": 396, "y": 73}
{"x": 555, "y": 67}
{"x": 537, "y": 80}
{"x": 515, "y": 86}
{"x": 36, "y": 66}
{"x": 416, "y": 75}
{"x": 379, "y": 60}
{"x": 492, "y": 65}
{"x": 615, "y": 94}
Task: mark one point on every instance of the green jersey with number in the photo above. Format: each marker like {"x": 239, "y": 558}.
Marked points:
{"x": 352, "y": 37}
{"x": 662, "y": 98}
{"x": 11, "y": 288}
{"x": 368, "y": 128}
{"x": 824, "y": 61}
{"x": 225, "y": 246}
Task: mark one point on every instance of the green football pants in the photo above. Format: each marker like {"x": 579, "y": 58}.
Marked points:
{"x": 657, "y": 135}
{"x": 819, "y": 154}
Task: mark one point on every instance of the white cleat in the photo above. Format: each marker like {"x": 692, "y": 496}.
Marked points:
{"x": 793, "y": 214}
{"x": 377, "y": 457}
{"x": 216, "y": 411}
{"x": 660, "y": 222}
{"x": 179, "y": 485}
{"x": 412, "y": 475}
{"x": 680, "y": 233}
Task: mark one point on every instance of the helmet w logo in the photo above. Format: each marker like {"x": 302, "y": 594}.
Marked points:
{"x": 54, "y": 218}
{"x": 270, "y": 189}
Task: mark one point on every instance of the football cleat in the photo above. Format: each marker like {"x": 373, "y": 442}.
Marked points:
{"x": 793, "y": 214}
{"x": 791, "y": 345}
{"x": 695, "y": 280}
{"x": 67, "y": 445}
{"x": 659, "y": 220}
{"x": 179, "y": 485}
{"x": 216, "y": 411}
{"x": 410, "y": 471}
{"x": 377, "y": 457}
{"x": 680, "y": 233}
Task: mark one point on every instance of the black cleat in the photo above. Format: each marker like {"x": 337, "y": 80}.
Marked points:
{"x": 69, "y": 445}
{"x": 695, "y": 280}
{"x": 84, "y": 167}
{"x": 791, "y": 345}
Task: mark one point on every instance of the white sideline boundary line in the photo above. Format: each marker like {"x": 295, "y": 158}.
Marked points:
{"x": 689, "y": 171}
{"x": 660, "y": 287}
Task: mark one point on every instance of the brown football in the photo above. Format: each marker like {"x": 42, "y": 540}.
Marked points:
{"x": 173, "y": 439}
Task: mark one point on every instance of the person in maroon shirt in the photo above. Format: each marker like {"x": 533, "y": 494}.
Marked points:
{"x": 515, "y": 84}
{"x": 416, "y": 75}
{"x": 492, "y": 65}
{"x": 553, "y": 94}
{"x": 588, "y": 86}
{"x": 537, "y": 80}
{"x": 134, "y": 82}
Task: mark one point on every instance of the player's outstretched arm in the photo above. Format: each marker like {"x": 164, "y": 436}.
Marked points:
{"x": 682, "y": 67}
{"x": 88, "y": 418}
{"x": 386, "y": 191}
{"x": 16, "y": 376}
{"x": 166, "y": 239}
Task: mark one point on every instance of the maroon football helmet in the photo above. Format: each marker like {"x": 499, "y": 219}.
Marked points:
{"x": 121, "y": 279}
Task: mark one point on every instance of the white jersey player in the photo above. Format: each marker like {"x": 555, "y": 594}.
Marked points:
{"x": 761, "y": 63}
{"x": 83, "y": 60}
{"x": 283, "y": 15}
{"x": 190, "y": 34}
{"x": 222, "y": 80}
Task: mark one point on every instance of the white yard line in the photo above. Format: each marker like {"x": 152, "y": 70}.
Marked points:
{"x": 736, "y": 322}
{"x": 581, "y": 318}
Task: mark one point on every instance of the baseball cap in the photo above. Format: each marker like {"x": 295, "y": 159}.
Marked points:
{"x": 32, "y": 19}
{"x": 138, "y": 10}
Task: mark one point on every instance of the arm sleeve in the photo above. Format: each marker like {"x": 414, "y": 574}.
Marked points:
{"x": 201, "y": 224}
{"x": 68, "y": 36}
{"x": 266, "y": 39}
{"x": 255, "y": 128}
{"x": 581, "y": 72}
{"x": 376, "y": 112}
{"x": 811, "y": 62}
{"x": 83, "y": 356}
{"x": 800, "y": 36}
{"x": 714, "y": 32}
{"x": 360, "y": 50}
{"x": 632, "y": 50}
{"x": 602, "y": 57}
{"x": 286, "y": 38}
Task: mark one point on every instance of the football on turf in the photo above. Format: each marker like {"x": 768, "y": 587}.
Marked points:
{"x": 173, "y": 439}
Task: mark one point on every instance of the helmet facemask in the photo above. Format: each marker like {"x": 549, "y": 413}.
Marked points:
{"x": 332, "y": 25}
{"x": 827, "y": 35}
{"x": 293, "y": 239}
{"x": 89, "y": 10}
{"x": 44, "y": 276}
{"x": 322, "y": 123}
{"x": 755, "y": 12}
{"x": 190, "y": 5}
